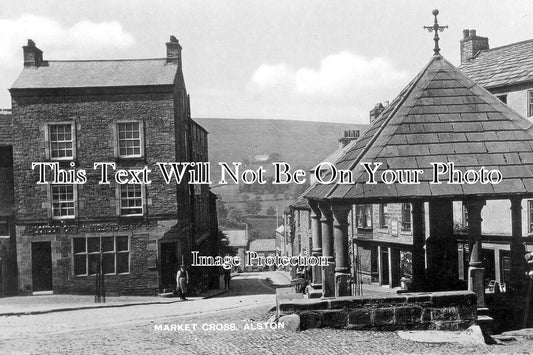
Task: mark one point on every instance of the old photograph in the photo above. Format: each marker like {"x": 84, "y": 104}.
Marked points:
{"x": 278, "y": 177}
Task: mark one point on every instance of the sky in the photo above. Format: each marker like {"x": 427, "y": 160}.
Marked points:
{"x": 307, "y": 60}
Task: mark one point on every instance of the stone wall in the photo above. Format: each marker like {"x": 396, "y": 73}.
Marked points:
{"x": 95, "y": 118}
{"x": 142, "y": 278}
{"x": 302, "y": 232}
{"x": 438, "y": 310}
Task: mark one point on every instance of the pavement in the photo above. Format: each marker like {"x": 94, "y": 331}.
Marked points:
{"x": 47, "y": 303}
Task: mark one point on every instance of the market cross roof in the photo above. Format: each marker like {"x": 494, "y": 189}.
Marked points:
{"x": 97, "y": 73}
{"x": 502, "y": 66}
{"x": 441, "y": 116}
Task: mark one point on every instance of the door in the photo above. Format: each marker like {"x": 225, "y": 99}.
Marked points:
{"x": 41, "y": 266}
{"x": 169, "y": 265}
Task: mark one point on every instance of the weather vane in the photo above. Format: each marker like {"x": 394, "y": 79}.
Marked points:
{"x": 436, "y": 28}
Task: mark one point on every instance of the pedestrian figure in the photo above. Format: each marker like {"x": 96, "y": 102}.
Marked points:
{"x": 182, "y": 281}
{"x": 227, "y": 278}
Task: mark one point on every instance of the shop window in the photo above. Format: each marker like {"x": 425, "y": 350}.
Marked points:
{"x": 111, "y": 252}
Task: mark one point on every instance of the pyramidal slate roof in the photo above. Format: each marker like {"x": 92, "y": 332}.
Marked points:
{"x": 440, "y": 116}
{"x": 502, "y": 66}
{"x": 97, "y": 73}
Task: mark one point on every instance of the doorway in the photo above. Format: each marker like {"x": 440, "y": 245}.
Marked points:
{"x": 169, "y": 265}
{"x": 41, "y": 266}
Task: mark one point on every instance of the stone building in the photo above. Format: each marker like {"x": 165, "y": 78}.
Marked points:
{"x": 8, "y": 253}
{"x": 132, "y": 114}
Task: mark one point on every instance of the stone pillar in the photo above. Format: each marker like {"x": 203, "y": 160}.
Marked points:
{"x": 380, "y": 266}
{"x": 441, "y": 248}
{"x": 316, "y": 234}
{"x": 394, "y": 267}
{"x": 419, "y": 239}
{"x": 328, "y": 272}
{"x": 342, "y": 258}
{"x": 476, "y": 281}
{"x": 518, "y": 262}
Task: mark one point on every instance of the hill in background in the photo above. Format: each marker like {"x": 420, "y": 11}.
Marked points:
{"x": 299, "y": 143}
{"x": 256, "y": 142}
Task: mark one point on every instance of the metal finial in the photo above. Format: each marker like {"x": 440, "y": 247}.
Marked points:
{"x": 436, "y": 28}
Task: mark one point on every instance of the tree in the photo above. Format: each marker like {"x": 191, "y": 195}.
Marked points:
{"x": 234, "y": 217}
{"x": 253, "y": 207}
{"x": 275, "y": 157}
{"x": 222, "y": 212}
{"x": 271, "y": 211}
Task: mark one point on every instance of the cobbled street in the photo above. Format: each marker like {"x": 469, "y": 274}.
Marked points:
{"x": 133, "y": 330}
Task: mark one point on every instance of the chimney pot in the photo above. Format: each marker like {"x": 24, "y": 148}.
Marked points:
{"x": 466, "y": 34}
{"x": 472, "y": 33}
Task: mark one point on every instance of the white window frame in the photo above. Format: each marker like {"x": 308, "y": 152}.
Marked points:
{"x": 406, "y": 225}
{"x": 364, "y": 212}
{"x": 86, "y": 253}
{"x": 530, "y": 217}
{"x": 119, "y": 201}
{"x": 117, "y": 140}
{"x": 5, "y": 221}
{"x": 74, "y": 201}
{"x": 529, "y": 103}
{"x": 49, "y": 140}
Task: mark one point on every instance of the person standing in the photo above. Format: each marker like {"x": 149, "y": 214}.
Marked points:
{"x": 182, "y": 282}
{"x": 227, "y": 278}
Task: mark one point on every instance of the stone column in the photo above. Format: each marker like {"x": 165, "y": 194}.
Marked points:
{"x": 316, "y": 234}
{"x": 476, "y": 281}
{"x": 394, "y": 267}
{"x": 419, "y": 239}
{"x": 441, "y": 247}
{"x": 342, "y": 262}
{"x": 380, "y": 266}
{"x": 328, "y": 272}
{"x": 518, "y": 262}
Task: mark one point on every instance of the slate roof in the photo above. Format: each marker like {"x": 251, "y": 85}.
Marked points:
{"x": 300, "y": 204}
{"x": 441, "y": 116}
{"x": 502, "y": 66}
{"x": 97, "y": 73}
{"x": 263, "y": 245}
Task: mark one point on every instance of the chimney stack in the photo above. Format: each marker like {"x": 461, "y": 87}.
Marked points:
{"x": 377, "y": 110}
{"x": 33, "y": 56}
{"x": 471, "y": 45}
{"x": 349, "y": 135}
{"x": 173, "y": 51}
